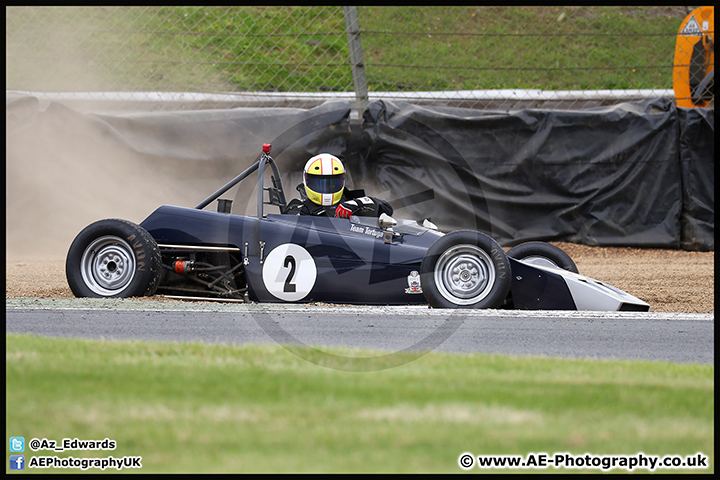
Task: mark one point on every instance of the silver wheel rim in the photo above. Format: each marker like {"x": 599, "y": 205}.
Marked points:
{"x": 541, "y": 261}
{"x": 108, "y": 265}
{"x": 464, "y": 274}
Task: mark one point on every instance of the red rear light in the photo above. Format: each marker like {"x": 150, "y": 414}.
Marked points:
{"x": 266, "y": 147}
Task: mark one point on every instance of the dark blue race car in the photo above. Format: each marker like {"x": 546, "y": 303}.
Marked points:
{"x": 278, "y": 257}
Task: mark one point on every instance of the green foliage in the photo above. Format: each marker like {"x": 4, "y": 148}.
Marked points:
{"x": 190, "y": 48}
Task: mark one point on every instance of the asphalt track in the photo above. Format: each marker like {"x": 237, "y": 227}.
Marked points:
{"x": 655, "y": 336}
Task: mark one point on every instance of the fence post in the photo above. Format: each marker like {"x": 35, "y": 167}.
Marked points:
{"x": 352, "y": 26}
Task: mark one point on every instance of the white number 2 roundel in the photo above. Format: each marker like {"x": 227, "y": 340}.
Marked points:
{"x": 289, "y": 272}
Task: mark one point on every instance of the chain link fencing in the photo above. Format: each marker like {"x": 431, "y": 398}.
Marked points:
{"x": 477, "y": 57}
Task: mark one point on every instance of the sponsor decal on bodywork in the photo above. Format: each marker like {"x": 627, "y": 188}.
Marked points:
{"x": 366, "y": 230}
{"x": 414, "y": 283}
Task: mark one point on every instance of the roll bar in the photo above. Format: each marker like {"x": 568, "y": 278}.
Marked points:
{"x": 276, "y": 193}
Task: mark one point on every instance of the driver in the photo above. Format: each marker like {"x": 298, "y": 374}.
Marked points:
{"x": 323, "y": 192}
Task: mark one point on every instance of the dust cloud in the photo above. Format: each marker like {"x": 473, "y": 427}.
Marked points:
{"x": 65, "y": 170}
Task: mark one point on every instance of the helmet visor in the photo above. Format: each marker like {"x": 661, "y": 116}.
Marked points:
{"x": 325, "y": 183}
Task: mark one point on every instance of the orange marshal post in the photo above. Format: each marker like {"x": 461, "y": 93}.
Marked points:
{"x": 694, "y": 64}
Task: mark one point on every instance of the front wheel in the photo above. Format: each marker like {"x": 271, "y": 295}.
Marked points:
{"x": 465, "y": 269}
{"x": 113, "y": 258}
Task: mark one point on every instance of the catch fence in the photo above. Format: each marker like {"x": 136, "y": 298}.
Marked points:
{"x": 479, "y": 57}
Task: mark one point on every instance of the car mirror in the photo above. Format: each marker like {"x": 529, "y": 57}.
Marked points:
{"x": 386, "y": 220}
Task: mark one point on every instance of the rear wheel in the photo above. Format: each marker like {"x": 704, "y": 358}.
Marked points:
{"x": 543, "y": 254}
{"x": 465, "y": 269}
{"x": 113, "y": 258}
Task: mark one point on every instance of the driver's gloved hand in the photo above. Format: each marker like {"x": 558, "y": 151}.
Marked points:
{"x": 346, "y": 209}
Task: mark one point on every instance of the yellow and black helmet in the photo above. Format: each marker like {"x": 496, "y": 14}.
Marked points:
{"x": 324, "y": 179}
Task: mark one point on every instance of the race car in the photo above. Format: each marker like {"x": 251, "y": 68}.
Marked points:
{"x": 195, "y": 253}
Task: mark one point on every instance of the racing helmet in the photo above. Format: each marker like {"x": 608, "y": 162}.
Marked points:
{"x": 324, "y": 179}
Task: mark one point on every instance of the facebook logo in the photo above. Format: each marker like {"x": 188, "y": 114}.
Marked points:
{"x": 17, "y": 444}
{"x": 17, "y": 462}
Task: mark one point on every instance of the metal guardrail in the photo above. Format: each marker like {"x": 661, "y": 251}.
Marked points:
{"x": 490, "y": 100}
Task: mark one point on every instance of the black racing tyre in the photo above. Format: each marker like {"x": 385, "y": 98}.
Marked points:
{"x": 543, "y": 254}
{"x": 113, "y": 258}
{"x": 465, "y": 269}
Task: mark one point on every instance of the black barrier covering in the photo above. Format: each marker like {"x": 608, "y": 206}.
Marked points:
{"x": 236, "y": 136}
{"x": 602, "y": 176}
{"x": 697, "y": 155}
{"x": 636, "y": 174}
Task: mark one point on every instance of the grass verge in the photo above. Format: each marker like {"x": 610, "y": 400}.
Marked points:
{"x": 192, "y": 407}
